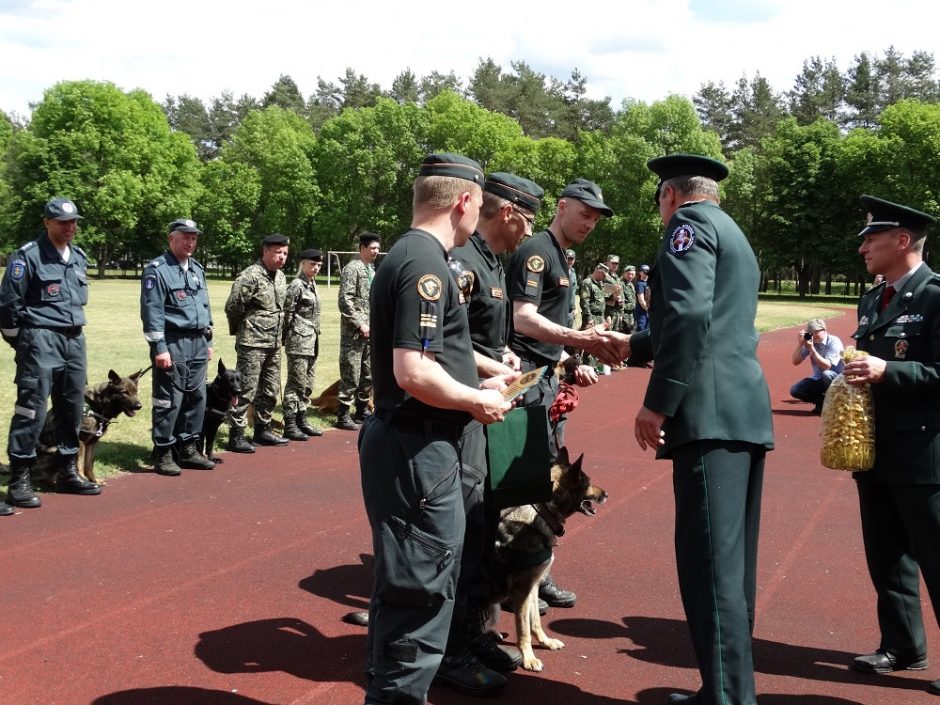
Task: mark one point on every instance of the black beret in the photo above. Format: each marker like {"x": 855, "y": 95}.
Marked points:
{"x": 61, "y": 209}
{"x": 275, "y": 239}
{"x": 588, "y": 193}
{"x": 366, "y": 239}
{"x": 312, "y": 254}
{"x": 884, "y": 215}
{"x": 184, "y": 225}
{"x": 453, "y": 165}
{"x": 515, "y": 189}
{"x": 674, "y": 165}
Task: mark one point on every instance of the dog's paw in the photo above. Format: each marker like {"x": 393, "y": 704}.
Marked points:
{"x": 532, "y": 664}
{"x": 553, "y": 644}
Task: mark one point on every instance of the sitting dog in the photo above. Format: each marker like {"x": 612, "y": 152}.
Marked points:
{"x": 328, "y": 401}
{"x": 104, "y": 402}
{"x": 526, "y": 536}
{"x": 221, "y": 396}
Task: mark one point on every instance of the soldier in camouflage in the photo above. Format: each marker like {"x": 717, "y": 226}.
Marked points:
{"x": 302, "y": 345}
{"x": 355, "y": 360}
{"x": 255, "y": 312}
{"x": 628, "y": 322}
{"x": 613, "y": 303}
{"x": 592, "y": 303}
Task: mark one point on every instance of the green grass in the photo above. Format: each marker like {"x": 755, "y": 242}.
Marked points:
{"x": 115, "y": 341}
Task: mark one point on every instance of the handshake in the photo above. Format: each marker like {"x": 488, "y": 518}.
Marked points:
{"x": 609, "y": 346}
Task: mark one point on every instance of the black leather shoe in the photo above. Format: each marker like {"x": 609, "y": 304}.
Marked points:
{"x": 304, "y": 426}
{"x": 500, "y": 657}
{"x": 191, "y": 458}
{"x": 933, "y": 687}
{"x": 266, "y": 437}
{"x": 346, "y": 423}
{"x": 163, "y": 461}
{"x": 237, "y": 443}
{"x": 464, "y": 672}
{"x": 885, "y": 662}
{"x": 5, "y": 509}
{"x": 360, "y": 619}
{"x": 543, "y": 606}
{"x": 554, "y": 595}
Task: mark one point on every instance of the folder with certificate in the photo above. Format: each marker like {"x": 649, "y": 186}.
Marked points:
{"x": 519, "y": 460}
{"x": 524, "y": 383}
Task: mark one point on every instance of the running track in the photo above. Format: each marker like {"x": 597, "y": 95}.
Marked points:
{"x": 227, "y": 587}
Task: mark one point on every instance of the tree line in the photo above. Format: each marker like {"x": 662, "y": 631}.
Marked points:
{"x": 324, "y": 168}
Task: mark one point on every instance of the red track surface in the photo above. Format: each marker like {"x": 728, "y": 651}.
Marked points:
{"x": 227, "y": 587}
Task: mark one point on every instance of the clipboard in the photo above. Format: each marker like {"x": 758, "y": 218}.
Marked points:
{"x": 520, "y": 470}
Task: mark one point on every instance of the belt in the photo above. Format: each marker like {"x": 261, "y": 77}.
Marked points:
{"x": 69, "y": 331}
{"x": 433, "y": 428}
{"x": 187, "y": 333}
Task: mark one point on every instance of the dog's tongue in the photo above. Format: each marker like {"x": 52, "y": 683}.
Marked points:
{"x": 234, "y": 400}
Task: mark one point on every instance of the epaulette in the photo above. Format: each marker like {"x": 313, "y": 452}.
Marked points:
{"x": 27, "y": 245}
{"x": 196, "y": 263}
{"x": 80, "y": 251}
{"x": 155, "y": 262}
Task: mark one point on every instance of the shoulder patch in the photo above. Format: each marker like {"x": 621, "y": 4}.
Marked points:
{"x": 429, "y": 287}
{"x": 150, "y": 281}
{"x": 471, "y": 280}
{"x": 17, "y": 269}
{"x": 535, "y": 264}
{"x": 682, "y": 239}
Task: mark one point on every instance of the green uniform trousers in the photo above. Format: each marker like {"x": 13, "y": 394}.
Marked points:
{"x": 900, "y": 526}
{"x": 717, "y": 487}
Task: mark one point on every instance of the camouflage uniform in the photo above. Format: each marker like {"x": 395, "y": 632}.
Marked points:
{"x": 628, "y": 322}
{"x": 613, "y": 305}
{"x": 301, "y": 342}
{"x": 255, "y": 312}
{"x": 355, "y": 361}
{"x": 592, "y": 302}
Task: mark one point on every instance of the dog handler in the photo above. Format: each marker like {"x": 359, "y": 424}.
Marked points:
{"x": 415, "y": 448}
{"x": 174, "y": 308}
{"x": 42, "y": 299}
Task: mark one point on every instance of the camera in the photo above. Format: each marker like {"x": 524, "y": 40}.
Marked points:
{"x": 807, "y": 336}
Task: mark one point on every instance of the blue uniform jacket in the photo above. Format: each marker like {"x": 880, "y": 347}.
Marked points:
{"x": 172, "y": 299}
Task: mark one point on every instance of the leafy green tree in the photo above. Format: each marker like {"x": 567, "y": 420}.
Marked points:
{"x": 189, "y": 115}
{"x": 284, "y": 94}
{"x": 436, "y": 83}
{"x": 358, "y": 92}
{"x": 114, "y": 154}
{"x": 757, "y": 109}
{"x": 226, "y": 113}
{"x": 714, "y": 105}
{"x": 226, "y": 212}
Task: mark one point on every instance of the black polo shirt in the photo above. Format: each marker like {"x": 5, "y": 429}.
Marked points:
{"x": 488, "y": 300}
{"x": 414, "y": 303}
{"x": 538, "y": 273}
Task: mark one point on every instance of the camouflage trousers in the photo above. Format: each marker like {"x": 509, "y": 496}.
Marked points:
{"x": 627, "y": 323}
{"x": 355, "y": 370}
{"x": 301, "y": 371}
{"x": 615, "y": 315}
{"x": 260, "y": 369}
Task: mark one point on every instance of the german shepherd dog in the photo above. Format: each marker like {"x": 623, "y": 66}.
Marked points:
{"x": 104, "y": 402}
{"x": 526, "y": 536}
{"x": 221, "y": 396}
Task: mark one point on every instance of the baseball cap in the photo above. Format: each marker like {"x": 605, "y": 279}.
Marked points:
{"x": 588, "y": 193}
{"x": 184, "y": 225}
{"x": 644, "y": 268}
{"x": 569, "y": 253}
{"x": 815, "y": 324}
{"x": 61, "y": 209}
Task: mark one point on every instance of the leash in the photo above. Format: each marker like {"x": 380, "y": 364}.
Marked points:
{"x": 181, "y": 374}
{"x": 102, "y": 422}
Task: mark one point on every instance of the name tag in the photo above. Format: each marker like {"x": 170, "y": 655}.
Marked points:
{"x": 496, "y": 292}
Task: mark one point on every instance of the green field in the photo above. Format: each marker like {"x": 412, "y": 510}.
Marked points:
{"x": 115, "y": 341}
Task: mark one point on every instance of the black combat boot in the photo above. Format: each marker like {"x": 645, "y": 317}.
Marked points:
{"x": 20, "y": 491}
{"x": 237, "y": 443}
{"x": 344, "y": 420}
{"x": 264, "y": 436}
{"x": 362, "y": 412}
{"x": 188, "y": 456}
{"x": 163, "y": 461}
{"x": 291, "y": 430}
{"x": 464, "y": 671}
{"x": 70, "y": 482}
{"x": 304, "y": 426}
{"x": 485, "y": 645}
{"x": 5, "y": 509}
{"x": 554, "y": 595}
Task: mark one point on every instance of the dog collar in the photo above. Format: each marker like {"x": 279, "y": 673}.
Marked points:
{"x": 554, "y": 520}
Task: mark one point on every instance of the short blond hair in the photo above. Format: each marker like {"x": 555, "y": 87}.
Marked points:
{"x": 439, "y": 192}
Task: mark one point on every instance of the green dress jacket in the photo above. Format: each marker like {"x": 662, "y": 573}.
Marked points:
{"x": 907, "y": 402}
{"x": 706, "y": 378}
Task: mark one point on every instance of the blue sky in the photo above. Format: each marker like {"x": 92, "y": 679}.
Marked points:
{"x": 640, "y": 49}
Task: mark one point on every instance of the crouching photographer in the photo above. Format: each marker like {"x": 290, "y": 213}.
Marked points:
{"x": 825, "y": 355}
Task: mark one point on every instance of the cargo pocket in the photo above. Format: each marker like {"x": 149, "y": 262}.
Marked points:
{"x": 417, "y": 567}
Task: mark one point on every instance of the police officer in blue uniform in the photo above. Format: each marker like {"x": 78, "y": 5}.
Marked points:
{"x": 174, "y": 308}
{"x": 899, "y": 499}
{"x": 413, "y": 451}
{"x": 42, "y": 299}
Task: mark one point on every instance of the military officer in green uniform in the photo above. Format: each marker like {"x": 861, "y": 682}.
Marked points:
{"x": 628, "y": 320}
{"x": 899, "y": 499}
{"x": 613, "y": 289}
{"x": 424, "y": 435}
{"x": 510, "y": 203}
{"x": 355, "y": 362}
{"x": 538, "y": 286}
{"x": 255, "y": 313}
{"x": 302, "y": 345}
{"x": 592, "y": 297}
{"x": 707, "y": 408}
{"x": 42, "y": 299}
{"x": 174, "y": 309}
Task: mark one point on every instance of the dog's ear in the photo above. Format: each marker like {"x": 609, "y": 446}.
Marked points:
{"x": 221, "y": 367}
{"x": 562, "y": 457}
{"x": 576, "y": 465}
{"x": 140, "y": 373}
{"x": 114, "y": 377}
